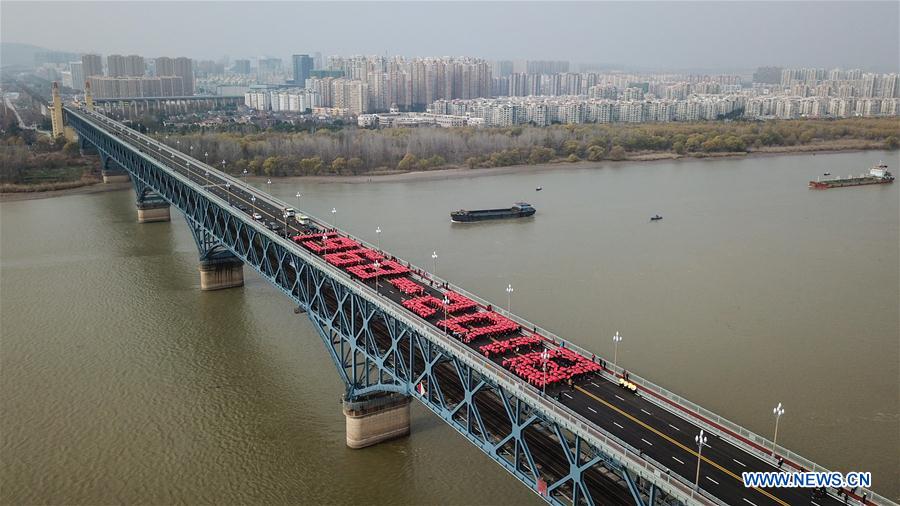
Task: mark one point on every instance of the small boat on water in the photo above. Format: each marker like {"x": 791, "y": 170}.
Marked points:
{"x": 539, "y": 188}
{"x": 827, "y": 174}
{"x": 655, "y": 218}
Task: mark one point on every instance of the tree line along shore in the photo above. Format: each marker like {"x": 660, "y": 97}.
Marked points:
{"x": 353, "y": 151}
{"x": 32, "y": 163}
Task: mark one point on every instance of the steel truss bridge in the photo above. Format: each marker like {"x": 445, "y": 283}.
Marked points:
{"x": 587, "y": 444}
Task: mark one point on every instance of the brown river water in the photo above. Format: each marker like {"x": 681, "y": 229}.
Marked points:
{"x": 121, "y": 382}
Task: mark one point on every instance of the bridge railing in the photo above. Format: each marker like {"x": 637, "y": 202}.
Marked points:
{"x": 573, "y": 421}
{"x": 727, "y": 430}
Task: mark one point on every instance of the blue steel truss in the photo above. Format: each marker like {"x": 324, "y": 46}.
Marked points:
{"x": 378, "y": 350}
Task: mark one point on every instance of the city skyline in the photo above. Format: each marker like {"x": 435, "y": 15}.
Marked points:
{"x": 832, "y": 34}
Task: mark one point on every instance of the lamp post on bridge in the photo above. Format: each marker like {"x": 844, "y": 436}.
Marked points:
{"x": 206, "y": 154}
{"x": 334, "y": 217}
{"x": 269, "y": 186}
{"x": 245, "y": 177}
{"x": 616, "y": 339}
{"x": 206, "y": 173}
{"x": 378, "y": 237}
{"x": 253, "y": 200}
{"x": 545, "y": 356}
{"x": 700, "y": 440}
{"x": 434, "y": 257}
{"x": 509, "y": 291}
{"x": 377, "y": 266}
{"x": 777, "y": 411}
{"x": 228, "y": 192}
{"x": 446, "y": 302}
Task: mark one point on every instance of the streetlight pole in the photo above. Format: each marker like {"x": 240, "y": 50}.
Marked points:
{"x": 616, "y": 339}
{"x": 378, "y": 237}
{"x": 434, "y": 263}
{"x": 446, "y": 303}
{"x": 207, "y": 178}
{"x": 245, "y": 177}
{"x": 509, "y": 291}
{"x": 269, "y": 185}
{"x": 700, "y": 440}
{"x": 253, "y": 200}
{"x": 777, "y": 411}
{"x": 334, "y": 217}
{"x": 377, "y": 269}
{"x": 545, "y": 356}
{"x": 228, "y": 192}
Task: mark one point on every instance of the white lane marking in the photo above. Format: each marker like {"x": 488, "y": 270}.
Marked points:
{"x": 814, "y": 502}
{"x": 648, "y": 442}
{"x": 739, "y": 462}
{"x": 621, "y": 399}
{"x": 674, "y": 427}
{"x": 617, "y": 425}
{"x": 567, "y": 395}
{"x": 596, "y": 385}
{"x": 677, "y": 460}
{"x": 592, "y": 409}
{"x": 645, "y": 411}
{"x": 712, "y": 480}
{"x": 749, "y": 501}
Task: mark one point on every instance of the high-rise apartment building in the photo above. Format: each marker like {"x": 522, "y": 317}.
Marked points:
{"x": 184, "y": 68}
{"x": 92, "y": 65}
{"x": 77, "y": 70}
{"x": 241, "y": 66}
{"x": 164, "y": 66}
{"x": 124, "y": 66}
{"x": 303, "y": 64}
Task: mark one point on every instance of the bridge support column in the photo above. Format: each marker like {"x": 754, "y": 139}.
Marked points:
{"x": 153, "y": 211}
{"x": 376, "y": 419}
{"x": 115, "y": 176}
{"x": 220, "y": 272}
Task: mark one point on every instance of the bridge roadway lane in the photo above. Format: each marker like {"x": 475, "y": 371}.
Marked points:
{"x": 658, "y": 433}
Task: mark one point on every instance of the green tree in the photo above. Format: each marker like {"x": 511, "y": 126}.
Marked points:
{"x": 617, "y": 153}
{"x": 339, "y": 165}
{"x": 595, "y": 153}
{"x": 408, "y": 162}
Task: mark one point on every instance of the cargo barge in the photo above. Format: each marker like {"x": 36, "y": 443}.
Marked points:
{"x": 519, "y": 210}
{"x": 877, "y": 175}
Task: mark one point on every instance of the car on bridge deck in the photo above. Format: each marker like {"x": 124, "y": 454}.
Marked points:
{"x": 257, "y": 216}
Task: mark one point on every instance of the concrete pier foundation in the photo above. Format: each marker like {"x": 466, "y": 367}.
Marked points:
{"x": 221, "y": 273}
{"x": 150, "y": 212}
{"x": 376, "y": 419}
{"x": 115, "y": 177}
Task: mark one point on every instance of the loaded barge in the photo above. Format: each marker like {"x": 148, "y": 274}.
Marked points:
{"x": 877, "y": 175}
{"x": 519, "y": 210}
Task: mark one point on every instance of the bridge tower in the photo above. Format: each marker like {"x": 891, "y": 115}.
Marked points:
{"x": 88, "y": 96}
{"x": 56, "y": 115}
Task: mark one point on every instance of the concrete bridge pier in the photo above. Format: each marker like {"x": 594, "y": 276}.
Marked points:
{"x": 374, "y": 419}
{"x": 218, "y": 272}
{"x": 114, "y": 176}
{"x": 151, "y": 211}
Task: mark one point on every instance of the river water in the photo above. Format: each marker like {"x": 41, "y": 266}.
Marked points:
{"x": 121, "y": 382}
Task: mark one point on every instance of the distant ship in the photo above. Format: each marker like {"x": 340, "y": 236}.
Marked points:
{"x": 519, "y": 210}
{"x": 877, "y": 175}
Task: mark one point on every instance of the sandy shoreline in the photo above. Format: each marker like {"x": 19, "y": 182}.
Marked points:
{"x": 462, "y": 172}
{"x": 81, "y": 190}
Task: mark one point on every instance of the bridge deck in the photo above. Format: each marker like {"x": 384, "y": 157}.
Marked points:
{"x": 658, "y": 427}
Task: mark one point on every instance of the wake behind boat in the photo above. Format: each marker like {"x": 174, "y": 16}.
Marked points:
{"x": 519, "y": 210}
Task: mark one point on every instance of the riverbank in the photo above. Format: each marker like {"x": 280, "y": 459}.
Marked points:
{"x": 82, "y": 189}
{"x": 455, "y": 171}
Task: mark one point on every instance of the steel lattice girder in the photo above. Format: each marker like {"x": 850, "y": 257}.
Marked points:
{"x": 375, "y": 352}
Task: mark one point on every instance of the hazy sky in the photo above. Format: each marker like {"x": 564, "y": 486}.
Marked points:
{"x": 670, "y": 35}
